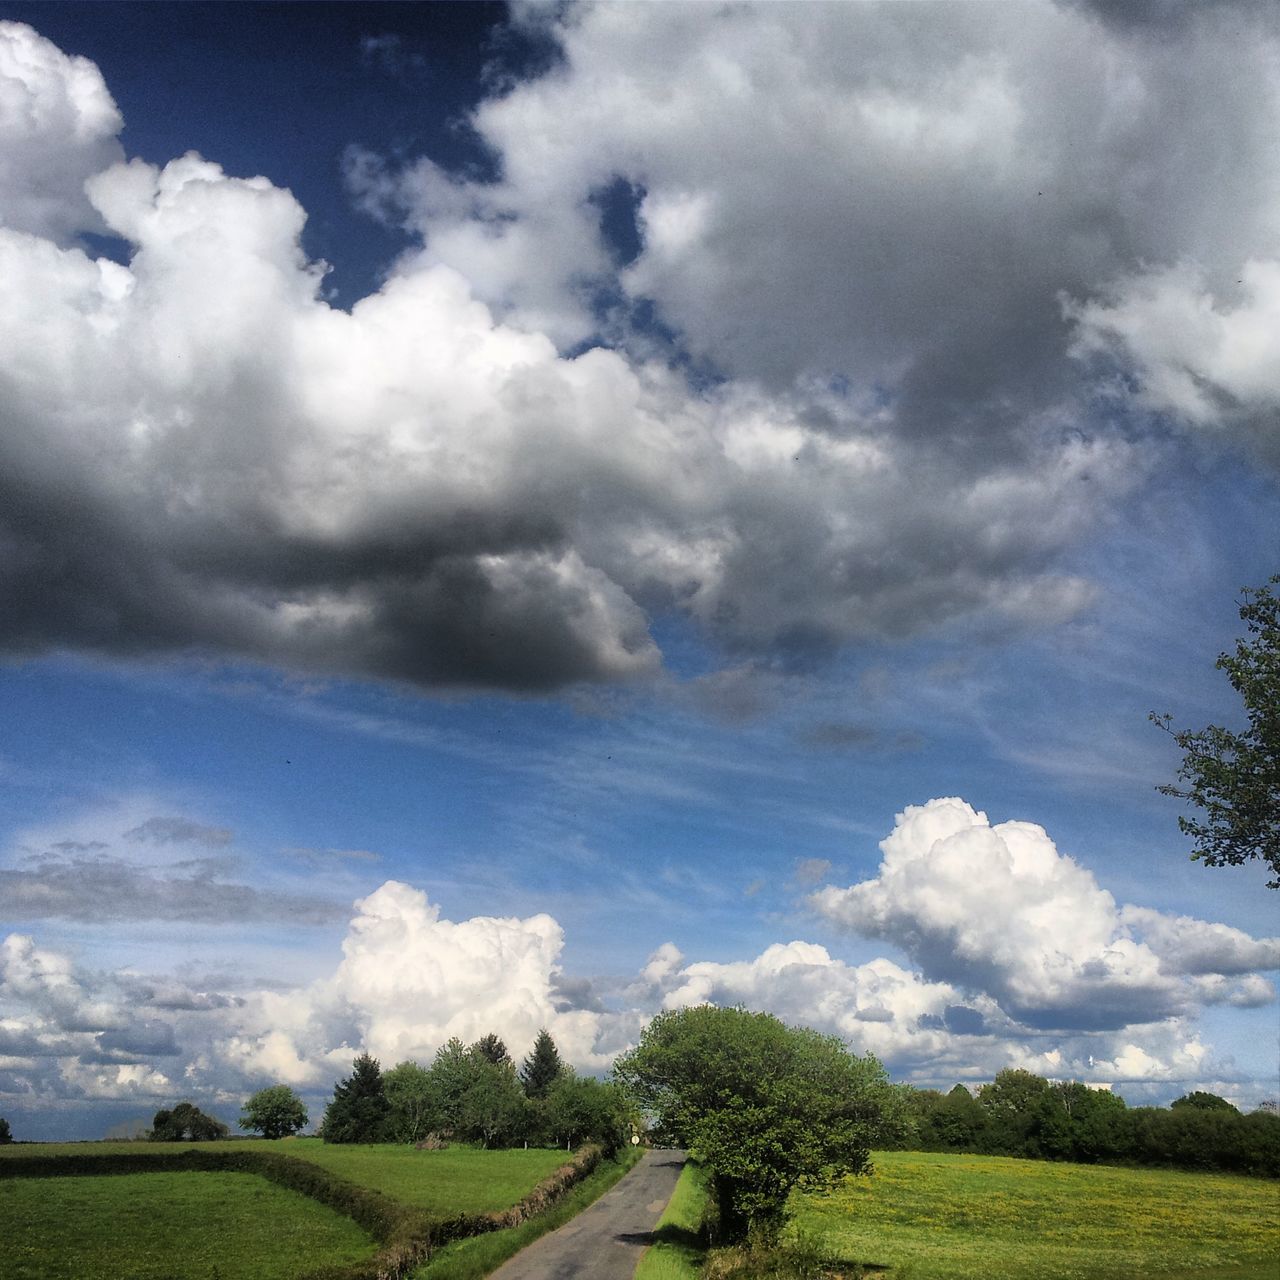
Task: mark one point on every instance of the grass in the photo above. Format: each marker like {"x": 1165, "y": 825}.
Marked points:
{"x": 153, "y": 1226}
{"x": 957, "y": 1217}
{"x": 455, "y": 1180}
{"x": 677, "y": 1252}
{"x": 476, "y": 1257}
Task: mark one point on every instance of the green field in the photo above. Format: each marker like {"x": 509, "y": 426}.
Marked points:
{"x": 455, "y": 1180}
{"x": 957, "y": 1217}
{"x": 152, "y": 1226}
{"x": 205, "y": 1225}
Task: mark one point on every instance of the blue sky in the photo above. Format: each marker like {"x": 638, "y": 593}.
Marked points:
{"x": 718, "y": 441}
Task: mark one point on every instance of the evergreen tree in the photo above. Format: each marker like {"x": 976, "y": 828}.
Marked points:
{"x": 491, "y": 1049}
{"x": 6, "y": 1135}
{"x": 359, "y": 1110}
{"x": 542, "y": 1068}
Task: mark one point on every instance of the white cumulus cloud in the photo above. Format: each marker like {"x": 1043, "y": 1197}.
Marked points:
{"x": 997, "y": 909}
{"x": 58, "y": 127}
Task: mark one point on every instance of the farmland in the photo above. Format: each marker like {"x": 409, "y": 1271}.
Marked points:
{"x": 201, "y": 1223}
{"x": 957, "y": 1217}
{"x": 153, "y": 1225}
{"x": 454, "y": 1180}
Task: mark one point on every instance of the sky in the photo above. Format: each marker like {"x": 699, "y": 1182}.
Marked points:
{"x": 530, "y": 516}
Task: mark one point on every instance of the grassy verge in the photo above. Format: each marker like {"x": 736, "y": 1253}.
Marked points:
{"x": 960, "y": 1217}
{"x": 154, "y": 1226}
{"x": 678, "y": 1249}
{"x": 478, "y": 1256}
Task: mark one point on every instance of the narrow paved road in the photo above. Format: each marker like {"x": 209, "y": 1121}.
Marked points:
{"x": 605, "y": 1241}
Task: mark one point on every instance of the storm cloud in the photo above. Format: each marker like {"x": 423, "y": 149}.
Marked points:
{"x": 898, "y": 239}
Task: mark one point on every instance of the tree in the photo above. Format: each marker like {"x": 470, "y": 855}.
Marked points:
{"x": 586, "y": 1110}
{"x": 1234, "y": 778}
{"x": 411, "y": 1102}
{"x": 186, "y": 1123}
{"x": 1202, "y": 1101}
{"x": 542, "y": 1068}
{"x": 491, "y": 1049}
{"x": 764, "y": 1107}
{"x": 359, "y": 1109}
{"x": 494, "y": 1108}
{"x": 275, "y": 1112}
{"x": 6, "y": 1134}
{"x": 450, "y": 1078}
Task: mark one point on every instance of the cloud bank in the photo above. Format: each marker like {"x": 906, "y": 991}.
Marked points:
{"x": 1016, "y": 957}
{"x": 879, "y": 234}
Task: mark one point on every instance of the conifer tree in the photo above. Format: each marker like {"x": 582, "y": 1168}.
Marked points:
{"x": 359, "y": 1109}
{"x": 542, "y": 1068}
{"x": 492, "y": 1049}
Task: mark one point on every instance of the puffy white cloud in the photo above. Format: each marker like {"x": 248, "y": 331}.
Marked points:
{"x": 408, "y": 981}
{"x": 997, "y": 909}
{"x": 58, "y": 127}
{"x": 1187, "y": 945}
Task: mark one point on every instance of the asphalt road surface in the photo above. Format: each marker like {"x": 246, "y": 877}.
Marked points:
{"x": 605, "y": 1241}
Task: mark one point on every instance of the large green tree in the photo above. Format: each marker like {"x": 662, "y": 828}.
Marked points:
{"x": 412, "y": 1101}
{"x": 6, "y": 1135}
{"x": 764, "y": 1107}
{"x": 359, "y": 1109}
{"x": 186, "y": 1123}
{"x": 275, "y": 1112}
{"x": 1233, "y": 777}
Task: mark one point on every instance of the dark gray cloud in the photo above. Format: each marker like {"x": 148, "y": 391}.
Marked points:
{"x": 141, "y": 1040}
{"x": 178, "y": 831}
{"x": 889, "y": 251}
{"x": 101, "y": 890}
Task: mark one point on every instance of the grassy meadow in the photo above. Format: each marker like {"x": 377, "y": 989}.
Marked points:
{"x": 202, "y": 1225}
{"x": 153, "y": 1226}
{"x": 958, "y": 1217}
{"x": 455, "y": 1180}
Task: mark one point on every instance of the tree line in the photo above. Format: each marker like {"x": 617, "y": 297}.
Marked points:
{"x": 1023, "y": 1114}
{"x": 476, "y": 1094}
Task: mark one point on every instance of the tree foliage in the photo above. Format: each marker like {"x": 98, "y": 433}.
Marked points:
{"x": 1232, "y": 777}
{"x": 359, "y": 1109}
{"x": 1202, "y": 1101}
{"x": 764, "y": 1107}
{"x": 491, "y": 1048}
{"x": 542, "y": 1068}
{"x": 411, "y": 1102}
{"x": 1020, "y": 1114}
{"x": 186, "y": 1123}
{"x": 6, "y": 1134}
{"x": 275, "y": 1112}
